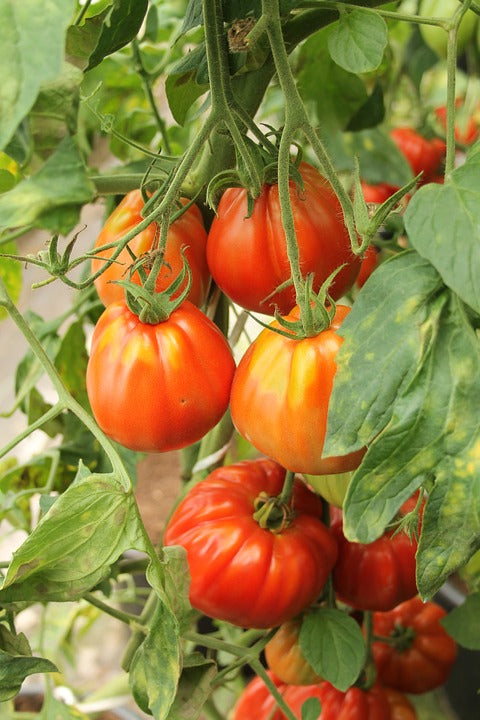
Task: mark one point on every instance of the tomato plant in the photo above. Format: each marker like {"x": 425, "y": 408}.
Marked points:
{"x": 282, "y": 382}
{"x": 417, "y": 653}
{"x": 424, "y": 156}
{"x": 256, "y": 702}
{"x": 158, "y": 387}
{"x": 281, "y": 562}
{"x": 187, "y": 232}
{"x": 239, "y": 243}
{"x": 285, "y": 658}
{"x": 336, "y": 705}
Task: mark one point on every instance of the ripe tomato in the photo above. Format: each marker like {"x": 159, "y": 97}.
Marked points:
{"x": 379, "y": 575}
{"x": 369, "y": 263}
{"x": 248, "y": 257}
{"x": 159, "y": 387}
{"x": 187, "y": 231}
{"x": 354, "y": 704}
{"x": 425, "y": 653}
{"x": 466, "y": 130}
{"x": 400, "y": 706}
{"x": 280, "y": 396}
{"x": 256, "y": 702}
{"x": 377, "y": 193}
{"x": 423, "y": 155}
{"x": 285, "y": 658}
{"x": 241, "y": 572}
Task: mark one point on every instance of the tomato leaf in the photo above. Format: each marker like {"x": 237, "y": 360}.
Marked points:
{"x": 333, "y": 644}
{"x": 120, "y": 27}
{"x": 311, "y": 709}
{"x": 442, "y": 225}
{"x": 72, "y": 548}
{"x": 462, "y": 622}
{"x": 31, "y": 54}
{"x": 62, "y": 181}
{"x": 358, "y": 40}
{"x": 15, "y": 668}
{"x": 177, "y": 583}
{"x": 194, "y": 688}
{"x": 182, "y": 90}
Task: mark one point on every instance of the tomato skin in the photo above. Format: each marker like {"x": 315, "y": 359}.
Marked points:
{"x": 256, "y": 702}
{"x": 285, "y": 658}
{"x": 465, "y": 133}
{"x": 426, "y": 663}
{"x": 159, "y": 387}
{"x": 280, "y": 573}
{"x": 377, "y": 575}
{"x": 354, "y": 704}
{"x": 377, "y": 194}
{"x": 436, "y": 37}
{"x": 369, "y": 264}
{"x": 280, "y": 395}
{"x": 187, "y": 231}
{"x": 248, "y": 257}
{"x": 423, "y": 156}
{"x": 400, "y": 706}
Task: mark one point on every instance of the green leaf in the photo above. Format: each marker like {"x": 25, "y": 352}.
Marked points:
{"x": 82, "y": 39}
{"x": 11, "y": 274}
{"x": 62, "y": 181}
{"x": 55, "y": 108}
{"x": 333, "y": 644}
{"x": 182, "y": 91}
{"x": 177, "y": 584}
{"x": 358, "y": 40}
{"x": 311, "y": 709}
{"x": 15, "y": 668}
{"x": 32, "y": 40}
{"x": 58, "y": 710}
{"x": 462, "y": 623}
{"x": 193, "y": 16}
{"x": 194, "y": 688}
{"x": 72, "y": 548}
{"x": 157, "y": 657}
{"x": 120, "y": 26}
{"x": 442, "y": 225}
{"x": 71, "y": 362}
{"x": 371, "y": 113}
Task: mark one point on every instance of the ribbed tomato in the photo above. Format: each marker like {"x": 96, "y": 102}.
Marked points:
{"x": 247, "y": 255}
{"x": 285, "y": 658}
{"x": 418, "y": 654}
{"x": 354, "y": 704}
{"x": 423, "y": 155}
{"x": 186, "y": 232}
{"x": 158, "y": 387}
{"x": 242, "y": 572}
{"x": 400, "y": 706}
{"x": 256, "y": 702}
{"x": 280, "y": 396}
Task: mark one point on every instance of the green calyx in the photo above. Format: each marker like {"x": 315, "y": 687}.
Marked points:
{"x": 272, "y": 513}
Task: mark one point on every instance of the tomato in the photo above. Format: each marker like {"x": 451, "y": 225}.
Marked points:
{"x": 256, "y": 702}
{"x": 187, "y": 231}
{"x": 378, "y": 575}
{"x": 248, "y": 257}
{"x": 241, "y": 572}
{"x": 466, "y": 129}
{"x": 423, "y": 156}
{"x": 369, "y": 263}
{"x": 159, "y": 387}
{"x": 425, "y": 653}
{"x": 285, "y": 658}
{"x": 354, "y": 704}
{"x": 400, "y": 706}
{"x": 280, "y": 396}
{"x": 436, "y": 37}
{"x": 332, "y": 488}
{"x": 377, "y": 193}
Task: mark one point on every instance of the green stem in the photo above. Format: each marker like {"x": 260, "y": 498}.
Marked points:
{"x": 145, "y": 78}
{"x": 260, "y": 670}
{"x": 37, "y": 425}
{"x": 124, "y": 617}
{"x": 15, "y": 234}
{"x": 287, "y": 489}
{"x": 82, "y": 12}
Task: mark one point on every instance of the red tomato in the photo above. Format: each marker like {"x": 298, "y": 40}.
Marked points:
{"x": 369, "y": 263}
{"x": 256, "y": 702}
{"x": 425, "y": 652}
{"x": 400, "y": 706}
{"x": 159, "y": 387}
{"x": 248, "y": 257}
{"x": 241, "y": 572}
{"x": 285, "y": 658}
{"x": 354, "y": 704}
{"x": 422, "y": 155}
{"x": 379, "y": 575}
{"x": 188, "y": 232}
{"x": 280, "y": 396}
{"x": 466, "y": 132}
{"x": 377, "y": 193}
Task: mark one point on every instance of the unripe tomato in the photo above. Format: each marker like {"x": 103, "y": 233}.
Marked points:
{"x": 377, "y": 575}
{"x": 186, "y": 232}
{"x": 424, "y": 653}
{"x": 242, "y": 572}
{"x": 280, "y": 396}
{"x": 436, "y": 37}
{"x": 354, "y": 704}
{"x": 159, "y": 387}
{"x": 332, "y": 488}
{"x": 256, "y": 702}
{"x": 285, "y": 658}
{"x": 247, "y": 255}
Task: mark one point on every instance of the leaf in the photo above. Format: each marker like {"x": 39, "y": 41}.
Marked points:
{"x": 10, "y": 274}
{"x": 177, "y": 584}
{"x": 333, "y": 644}
{"x": 462, "y": 622}
{"x": 120, "y": 27}
{"x": 358, "y": 40}
{"x": 193, "y": 16}
{"x": 15, "y": 668}
{"x": 194, "y": 688}
{"x": 71, "y": 362}
{"x": 31, "y": 54}
{"x": 311, "y": 709}
{"x": 53, "y": 709}
{"x": 82, "y": 39}
{"x": 182, "y": 91}
{"x": 157, "y": 657}
{"x": 61, "y": 181}
{"x": 72, "y": 548}
{"x": 371, "y": 113}
{"x": 442, "y": 225}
